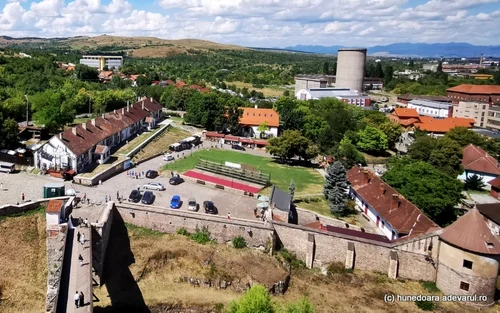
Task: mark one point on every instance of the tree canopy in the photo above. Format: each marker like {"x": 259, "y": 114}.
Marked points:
{"x": 336, "y": 186}
{"x": 372, "y": 140}
{"x": 443, "y": 153}
{"x": 291, "y": 143}
{"x": 431, "y": 190}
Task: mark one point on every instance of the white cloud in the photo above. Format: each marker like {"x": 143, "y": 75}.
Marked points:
{"x": 261, "y": 22}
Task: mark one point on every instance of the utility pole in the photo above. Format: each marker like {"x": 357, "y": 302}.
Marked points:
{"x": 27, "y": 110}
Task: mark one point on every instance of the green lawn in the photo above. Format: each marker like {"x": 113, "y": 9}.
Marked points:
{"x": 137, "y": 141}
{"x": 307, "y": 180}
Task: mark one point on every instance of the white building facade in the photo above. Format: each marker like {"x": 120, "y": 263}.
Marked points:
{"x": 346, "y": 95}
{"x": 101, "y": 61}
{"x": 431, "y": 108}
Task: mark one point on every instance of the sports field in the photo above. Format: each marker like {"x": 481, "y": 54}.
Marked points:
{"x": 307, "y": 180}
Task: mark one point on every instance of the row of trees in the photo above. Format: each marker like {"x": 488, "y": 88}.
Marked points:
{"x": 338, "y": 128}
{"x": 427, "y": 176}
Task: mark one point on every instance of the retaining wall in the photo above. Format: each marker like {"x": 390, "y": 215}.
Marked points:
{"x": 101, "y": 238}
{"x": 56, "y": 245}
{"x": 117, "y": 168}
{"x": 256, "y": 234}
{"x": 9, "y": 209}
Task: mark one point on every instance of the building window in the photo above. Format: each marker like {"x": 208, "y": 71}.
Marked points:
{"x": 464, "y": 286}
{"x": 489, "y": 245}
{"x": 467, "y": 264}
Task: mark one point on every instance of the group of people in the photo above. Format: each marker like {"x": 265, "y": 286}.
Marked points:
{"x": 136, "y": 175}
{"x": 79, "y": 299}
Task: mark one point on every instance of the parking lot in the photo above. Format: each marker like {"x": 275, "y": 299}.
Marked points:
{"x": 32, "y": 186}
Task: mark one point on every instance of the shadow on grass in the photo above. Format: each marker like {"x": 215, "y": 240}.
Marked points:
{"x": 122, "y": 288}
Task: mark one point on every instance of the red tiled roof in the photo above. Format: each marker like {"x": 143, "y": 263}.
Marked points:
{"x": 471, "y": 233}
{"x": 255, "y": 117}
{"x": 113, "y": 123}
{"x": 405, "y": 113}
{"x": 100, "y": 149}
{"x": 260, "y": 142}
{"x": 442, "y": 125}
{"x": 232, "y": 138}
{"x": 195, "y": 87}
{"x": 409, "y": 121}
{"x": 495, "y": 182}
{"x": 409, "y": 97}
{"x": 210, "y": 134}
{"x": 347, "y": 231}
{"x": 54, "y": 206}
{"x": 476, "y": 89}
{"x": 202, "y": 90}
{"x": 105, "y": 74}
{"x": 246, "y": 140}
{"x": 180, "y": 84}
{"x": 397, "y": 211}
{"x": 478, "y": 160}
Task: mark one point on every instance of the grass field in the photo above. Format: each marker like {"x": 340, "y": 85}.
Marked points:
{"x": 307, "y": 180}
{"x": 269, "y": 91}
{"x": 23, "y": 263}
{"x": 161, "y": 143}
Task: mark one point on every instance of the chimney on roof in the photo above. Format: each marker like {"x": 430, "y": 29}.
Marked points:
{"x": 60, "y": 136}
{"x": 128, "y": 106}
{"x": 104, "y": 115}
{"x": 73, "y": 129}
{"x": 84, "y": 125}
{"x": 256, "y": 106}
{"x": 143, "y": 104}
{"x": 114, "y": 111}
{"x": 123, "y": 111}
{"x": 138, "y": 98}
{"x": 382, "y": 188}
{"x": 151, "y": 99}
{"x": 396, "y": 201}
{"x": 93, "y": 122}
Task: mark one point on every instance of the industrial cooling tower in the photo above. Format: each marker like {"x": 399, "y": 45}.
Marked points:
{"x": 351, "y": 68}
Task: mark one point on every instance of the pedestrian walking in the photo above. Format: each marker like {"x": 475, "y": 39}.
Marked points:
{"x": 82, "y": 239}
{"x": 22, "y": 197}
{"x": 76, "y": 297}
{"x": 82, "y": 299}
{"x": 84, "y": 197}
{"x": 228, "y": 215}
{"x": 78, "y": 236}
{"x": 138, "y": 188}
{"x": 142, "y": 173}
{"x": 106, "y": 199}
{"x": 171, "y": 174}
{"x": 86, "y": 222}
{"x": 117, "y": 196}
{"x": 88, "y": 201}
{"x": 80, "y": 260}
{"x": 1, "y": 186}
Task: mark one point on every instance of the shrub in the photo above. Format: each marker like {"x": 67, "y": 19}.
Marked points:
{"x": 429, "y": 286}
{"x": 182, "y": 231}
{"x": 239, "y": 242}
{"x": 291, "y": 259}
{"x": 338, "y": 268}
{"x": 425, "y": 305}
{"x": 201, "y": 236}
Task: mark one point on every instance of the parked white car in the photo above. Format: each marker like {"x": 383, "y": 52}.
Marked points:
{"x": 168, "y": 157}
{"x": 193, "y": 205}
{"x": 154, "y": 186}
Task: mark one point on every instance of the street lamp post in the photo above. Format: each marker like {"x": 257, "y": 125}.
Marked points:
{"x": 27, "y": 110}
{"x": 90, "y": 105}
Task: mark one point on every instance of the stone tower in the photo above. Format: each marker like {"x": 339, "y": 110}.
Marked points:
{"x": 468, "y": 259}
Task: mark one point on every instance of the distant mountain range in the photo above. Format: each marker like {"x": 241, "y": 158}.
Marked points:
{"x": 452, "y": 49}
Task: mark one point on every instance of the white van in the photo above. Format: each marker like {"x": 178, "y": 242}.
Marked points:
{"x": 7, "y": 167}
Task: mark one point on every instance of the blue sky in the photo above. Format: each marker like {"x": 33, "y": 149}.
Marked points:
{"x": 264, "y": 23}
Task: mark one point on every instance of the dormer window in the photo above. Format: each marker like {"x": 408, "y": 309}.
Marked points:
{"x": 489, "y": 245}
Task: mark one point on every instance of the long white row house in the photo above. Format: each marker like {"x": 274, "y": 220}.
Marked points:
{"x": 92, "y": 141}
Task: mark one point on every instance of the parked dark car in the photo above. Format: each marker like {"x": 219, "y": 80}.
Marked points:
{"x": 210, "y": 207}
{"x": 238, "y": 147}
{"x": 135, "y": 196}
{"x": 175, "y": 180}
{"x": 151, "y": 174}
{"x": 148, "y": 197}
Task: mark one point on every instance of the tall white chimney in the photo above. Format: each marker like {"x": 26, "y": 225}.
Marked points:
{"x": 123, "y": 111}
{"x": 84, "y": 125}
{"x": 60, "y": 136}
{"x": 143, "y": 105}
{"x": 128, "y": 106}
{"x": 104, "y": 115}
{"x": 73, "y": 130}
{"x": 256, "y": 106}
{"x": 93, "y": 122}
{"x": 151, "y": 99}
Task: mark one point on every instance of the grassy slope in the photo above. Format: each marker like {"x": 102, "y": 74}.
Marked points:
{"x": 340, "y": 292}
{"x": 23, "y": 263}
{"x": 307, "y": 181}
